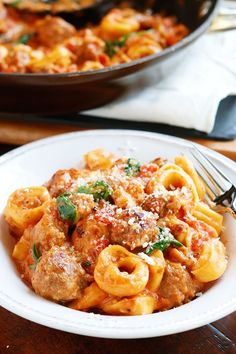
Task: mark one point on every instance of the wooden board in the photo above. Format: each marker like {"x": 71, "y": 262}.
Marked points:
{"x": 19, "y": 133}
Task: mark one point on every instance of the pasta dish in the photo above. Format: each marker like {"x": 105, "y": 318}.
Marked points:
{"x": 32, "y": 42}
{"x": 117, "y": 237}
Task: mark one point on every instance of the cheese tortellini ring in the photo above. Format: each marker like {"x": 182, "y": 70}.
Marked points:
{"x": 120, "y": 22}
{"x": 204, "y": 213}
{"x": 156, "y": 270}
{"x": 91, "y": 65}
{"x": 212, "y": 262}
{"x": 188, "y": 167}
{"x": 142, "y": 49}
{"x": 170, "y": 166}
{"x": 120, "y": 272}
{"x": 25, "y": 207}
{"x": 60, "y": 56}
{"x": 180, "y": 229}
{"x": 90, "y": 297}
{"x": 136, "y": 305}
{"x": 99, "y": 159}
{"x": 21, "y": 249}
{"x": 173, "y": 178}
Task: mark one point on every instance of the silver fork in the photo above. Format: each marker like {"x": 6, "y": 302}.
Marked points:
{"x": 219, "y": 189}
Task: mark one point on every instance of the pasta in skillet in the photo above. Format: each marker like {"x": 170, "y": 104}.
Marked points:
{"x": 32, "y": 42}
{"x": 118, "y": 237}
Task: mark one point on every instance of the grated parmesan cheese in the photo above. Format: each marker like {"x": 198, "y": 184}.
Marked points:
{"x": 146, "y": 258}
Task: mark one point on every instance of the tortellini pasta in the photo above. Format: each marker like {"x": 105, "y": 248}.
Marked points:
{"x": 156, "y": 270}
{"x": 119, "y": 23}
{"x": 90, "y": 297}
{"x": 209, "y": 216}
{"x": 120, "y": 272}
{"x": 137, "y": 305}
{"x": 188, "y": 167}
{"x": 173, "y": 178}
{"x": 25, "y": 207}
{"x": 118, "y": 237}
{"x": 212, "y": 262}
{"x": 51, "y": 44}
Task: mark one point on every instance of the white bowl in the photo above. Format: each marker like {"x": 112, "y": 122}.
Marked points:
{"x": 33, "y": 164}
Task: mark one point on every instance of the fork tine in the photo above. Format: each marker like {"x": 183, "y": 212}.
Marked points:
{"x": 210, "y": 189}
{"x": 214, "y": 188}
{"x": 222, "y": 182}
{"x": 215, "y": 167}
{"x": 209, "y": 200}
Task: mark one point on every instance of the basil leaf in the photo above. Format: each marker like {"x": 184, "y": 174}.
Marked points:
{"x": 85, "y": 189}
{"x": 100, "y": 190}
{"x": 36, "y": 255}
{"x": 32, "y": 266}
{"x": 66, "y": 208}
{"x": 132, "y": 167}
{"x": 122, "y": 41}
{"x": 24, "y": 39}
{"x": 86, "y": 264}
{"x": 110, "y": 46}
{"x": 110, "y": 49}
{"x": 15, "y": 3}
{"x": 166, "y": 239}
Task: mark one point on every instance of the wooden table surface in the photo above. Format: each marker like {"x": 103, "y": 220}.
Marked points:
{"x": 20, "y": 336}
{"x": 19, "y": 132}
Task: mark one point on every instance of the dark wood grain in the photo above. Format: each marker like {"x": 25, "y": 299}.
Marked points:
{"x": 18, "y": 132}
{"x": 20, "y": 336}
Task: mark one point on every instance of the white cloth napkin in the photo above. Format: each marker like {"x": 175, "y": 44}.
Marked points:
{"x": 189, "y": 97}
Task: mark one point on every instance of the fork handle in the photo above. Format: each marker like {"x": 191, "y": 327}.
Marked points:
{"x": 230, "y": 197}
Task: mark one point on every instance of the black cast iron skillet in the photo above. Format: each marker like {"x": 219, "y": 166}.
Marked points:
{"x": 72, "y": 92}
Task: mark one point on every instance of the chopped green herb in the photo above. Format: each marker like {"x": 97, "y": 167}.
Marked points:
{"x": 32, "y": 266}
{"x": 132, "y": 167}
{"x": 110, "y": 49}
{"x": 100, "y": 190}
{"x": 111, "y": 46}
{"x": 24, "y": 39}
{"x": 85, "y": 189}
{"x": 122, "y": 41}
{"x": 140, "y": 33}
{"x": 15, "y": 3}
{"x": 66, "y": 208}
{"x": 166, "y": 239}
{"x": 86, "y": 264}
{"x": 36, "y": 255}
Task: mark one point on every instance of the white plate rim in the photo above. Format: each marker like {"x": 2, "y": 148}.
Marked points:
{"x": 143, "y": 332}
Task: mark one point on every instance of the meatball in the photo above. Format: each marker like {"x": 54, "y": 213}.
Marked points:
{"x": 84, "y": 203}
{"x": 91, "y": 234}
{"x": 167, "y": 202}
{"x": 133, "y": 227}
{"x": 64, "y": 180}
{"x": 127, "y": 191}
{"x": 50, "y": 230}
{"x": 58, "y": 275}
{"x": 156, "y": 204}
{"x": 177, "y": 286}
{"x": 53, "y": 30}
{"x": 91, "y": 48}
